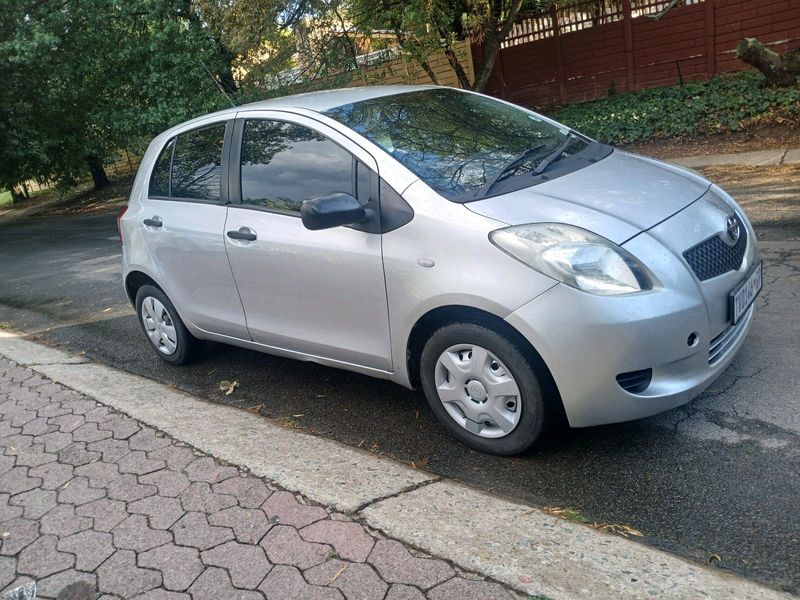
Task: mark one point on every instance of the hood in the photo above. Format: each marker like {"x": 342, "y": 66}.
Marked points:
{"x": 617, "y": 197}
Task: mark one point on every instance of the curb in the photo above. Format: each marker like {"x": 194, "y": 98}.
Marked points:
{"x": 758, "y": 158}
{"x": 523, "y": 547}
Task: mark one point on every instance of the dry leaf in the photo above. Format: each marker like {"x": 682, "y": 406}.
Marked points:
{"x": 714, "y": 557}
{"x": 255, "y": 409}
{"x": 298, "y": 416}
{"x": 227, "y": 387}
{"x": 339, "y": 572}
{"x": 622, "y": 530}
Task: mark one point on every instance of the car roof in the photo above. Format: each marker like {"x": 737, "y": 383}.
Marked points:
{"x": 326, "y": 99}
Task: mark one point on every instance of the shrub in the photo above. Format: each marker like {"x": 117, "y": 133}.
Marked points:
{"x": 719, "y": 104}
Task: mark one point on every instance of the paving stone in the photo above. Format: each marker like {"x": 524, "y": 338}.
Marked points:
{"x": 7, "y": 508}
{"x": 99, "y": 414}
{"x": 90, "y": 548}
{"x": 400, "y": 591}
{"x": 52, "y": 409}
{"x": 179, "y": 565}
{"x": 7, "y": 430}
{"x": 62, "y": 521}
{"x": 8, "y": 570}
{"x": 284, "y": 546}
{"x": 13, "y": 444}
{"x": 35, "y": 503}
{"x": 7, "y": 463}
{"x": 458, "y": 588}
{"x": 111, "y": 449}
{"x": 349, "y": 539}
{"x": 248, "y": 490}
{"x": 53, "y": 475}
{"x": 176, "y": 457}
{"x": 286, "y": 583}
{"x": 135, "y": 534}
{"x": 16, "y": 534}
{"x": 147, "y": 440}
{"x": 169, "y": 483}
{"x": 247, "y": 565}
{"x": 20, "y": 416}
{"x": 192, "y": 529}
{"x": 89, "y": 432}
{"x": 76, "y": 454}
{"x": 161, "y": 512}
{"x": 68, "y": 585}
{"x": 214, "y": 584}
{"x": 199, "y": 497}
{"x": 395, "y": 564}
{"x": 284, "y": 508}
{"x": 17, "y": 583}
{"x": 128, "y": 489}
{"x": 209, "y": 470}
{"x": 249, "y": 525}
{"x": 17, "y": 481}
{"x": 67, "y": 423}
{"x": 54, "y": 441}
{"x": 121, "y": 428}
{"x": 119, "y": 575}
{"x": 106, "y": 513}
{"x": 161, "y": 595}
{"x": 41, "y": 558}
{"x": 77, "y": 403}
{"x": 33, "y": 456}
{"x": 137, "y": 462}
{"x": 38, "y": 426}
{"x": 356, "y": 581}
{"x": 100, "y": 474}
{"x": 77, "y": 491}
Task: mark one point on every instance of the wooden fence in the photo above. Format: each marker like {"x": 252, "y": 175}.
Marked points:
{"x": 590, "y": 49}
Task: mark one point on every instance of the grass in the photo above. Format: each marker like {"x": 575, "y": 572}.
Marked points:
{"x": 5, "y": 198}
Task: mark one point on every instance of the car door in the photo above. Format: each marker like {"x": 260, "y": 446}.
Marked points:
{"x": 183, "y": 224}
{"x": 320, "y": 293}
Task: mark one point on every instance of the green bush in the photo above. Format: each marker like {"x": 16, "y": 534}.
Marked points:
{"x": 725, "y": 103}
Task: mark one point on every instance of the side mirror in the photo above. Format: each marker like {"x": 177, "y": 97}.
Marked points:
{"x": 334, "y": 210}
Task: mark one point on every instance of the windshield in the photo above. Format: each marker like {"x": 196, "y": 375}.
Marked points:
{"x": 462, "y": 145}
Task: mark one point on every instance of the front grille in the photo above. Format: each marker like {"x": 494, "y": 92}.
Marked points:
{"x": 724, "y": 341}
{"x": 635, "y": 382}
{"x": 714, "y": 257}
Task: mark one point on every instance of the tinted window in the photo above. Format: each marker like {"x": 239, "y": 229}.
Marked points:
{"x": 196, "y": 164}
{"x": 457, "y": 142}
{"x": 159, "y": 181}
{"x": 284, "y": 164}
{"x": 363, "y": 183}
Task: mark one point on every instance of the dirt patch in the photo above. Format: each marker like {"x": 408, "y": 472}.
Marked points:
{"x": 761, "y": 138}
{"x": 108, "y": 200}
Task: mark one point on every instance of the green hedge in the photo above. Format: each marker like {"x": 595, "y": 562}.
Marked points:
{"x": 725, "y": 103}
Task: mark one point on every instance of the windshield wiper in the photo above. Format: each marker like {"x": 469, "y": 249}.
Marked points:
{"x": 509, "y": 166}
{"x": 555, "y": 155}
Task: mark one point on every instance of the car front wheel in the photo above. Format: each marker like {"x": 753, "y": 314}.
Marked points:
{"x": 163, "y": 327}
{"x": 482, "y": 388}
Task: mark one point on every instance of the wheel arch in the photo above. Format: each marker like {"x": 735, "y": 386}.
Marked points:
{"x": 135, "y": 280}
{"x": 445, "y": 315}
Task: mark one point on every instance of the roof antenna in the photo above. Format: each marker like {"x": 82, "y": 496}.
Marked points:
{"x": 218, "y": 84}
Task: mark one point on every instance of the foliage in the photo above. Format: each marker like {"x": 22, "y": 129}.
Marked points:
{"x": 720, "y": 104}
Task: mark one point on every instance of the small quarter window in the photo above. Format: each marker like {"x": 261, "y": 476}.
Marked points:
{"x": 196, "y": 164}
{"x": 284, "y": 164}
{"x": 159, "y": 181}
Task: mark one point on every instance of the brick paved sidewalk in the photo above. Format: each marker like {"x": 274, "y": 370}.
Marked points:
{"x": 94, "y": 505}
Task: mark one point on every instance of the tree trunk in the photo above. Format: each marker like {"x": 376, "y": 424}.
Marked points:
{"x": 494, "y": 37}
{"x": 779, "y": 70}
{"x": 99, "y": 176}
{"x": 16, "y": 195}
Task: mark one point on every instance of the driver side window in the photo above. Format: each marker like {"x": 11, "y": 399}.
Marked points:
{"x": 284, "y": 164}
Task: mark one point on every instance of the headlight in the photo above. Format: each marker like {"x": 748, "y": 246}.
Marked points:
{"x": 576, "y": 257}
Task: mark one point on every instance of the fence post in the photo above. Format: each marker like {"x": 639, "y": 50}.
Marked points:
{"x": 630, "y": 67}
{"x": 711, "y": 39}
{"x": 562, "y": 80}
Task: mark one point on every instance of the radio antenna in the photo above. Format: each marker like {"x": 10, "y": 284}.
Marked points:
{"x": 218, "y": 84}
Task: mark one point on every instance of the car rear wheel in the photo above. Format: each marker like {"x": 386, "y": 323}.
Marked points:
{"x": 163, "y": 327}
{"x": 482, "y": 388}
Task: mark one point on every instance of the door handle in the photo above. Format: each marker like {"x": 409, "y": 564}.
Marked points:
{"x": 243, "y": 234}
{"x": 154, "y": 222}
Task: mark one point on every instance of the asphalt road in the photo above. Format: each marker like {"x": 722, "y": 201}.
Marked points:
{"x": 720, "y": 476}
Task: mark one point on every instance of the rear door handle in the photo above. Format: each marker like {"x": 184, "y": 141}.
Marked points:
{"x": 154, "y": 222}
{"x": 243, "y": 234}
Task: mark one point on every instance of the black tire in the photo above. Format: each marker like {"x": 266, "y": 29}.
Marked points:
{"x": 188, "y": 347}
{"x": 533, "y": 404}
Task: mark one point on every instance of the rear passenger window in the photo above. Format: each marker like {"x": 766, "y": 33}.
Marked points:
{"x": 159, "y": 181}
{"x": 196, "y": 164}
{"x": 284, "y": 164}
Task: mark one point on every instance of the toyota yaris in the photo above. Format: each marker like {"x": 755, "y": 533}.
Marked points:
{"x": 511, "y": 267}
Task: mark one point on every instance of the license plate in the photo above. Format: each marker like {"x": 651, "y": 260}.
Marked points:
{"x": 744, "y": 294}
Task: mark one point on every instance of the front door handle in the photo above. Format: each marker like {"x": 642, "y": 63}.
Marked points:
{"x": 243, "y": 234}
{"x": 154, "y": 222}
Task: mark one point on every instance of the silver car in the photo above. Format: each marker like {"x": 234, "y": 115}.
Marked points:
{"x": 514, "y": 269}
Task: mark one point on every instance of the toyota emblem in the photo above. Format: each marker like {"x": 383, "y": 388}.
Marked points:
{"x": 732, "y": 229}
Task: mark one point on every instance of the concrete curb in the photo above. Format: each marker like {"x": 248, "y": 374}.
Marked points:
{"x": 523, "y": 547}
{"x": 759, "y": 158}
